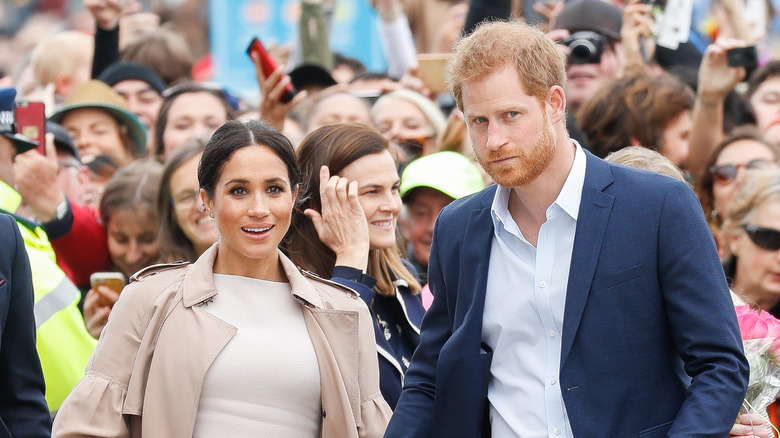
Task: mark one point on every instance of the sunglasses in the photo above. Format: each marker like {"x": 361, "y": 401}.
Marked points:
{"x": 766, "y": 238}
{"x": 725, "y": 173}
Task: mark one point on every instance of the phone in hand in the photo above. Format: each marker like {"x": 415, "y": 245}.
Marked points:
{"x": 268, "y": 65}
{"x": 31, "y": 122}
{"x": 430, "y": 67}
{"x": 114, "y": 280}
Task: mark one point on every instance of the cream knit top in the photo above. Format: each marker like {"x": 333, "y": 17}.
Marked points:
{"x": 265, "y": 382}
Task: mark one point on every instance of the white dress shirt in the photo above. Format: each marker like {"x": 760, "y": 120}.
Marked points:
{"x": 523, "y": 316}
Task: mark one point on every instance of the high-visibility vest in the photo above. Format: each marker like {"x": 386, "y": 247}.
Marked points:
{"x": 63, "y": 342}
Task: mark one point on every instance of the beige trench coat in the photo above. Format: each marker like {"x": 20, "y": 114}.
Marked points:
{"x": 146, "y": 374}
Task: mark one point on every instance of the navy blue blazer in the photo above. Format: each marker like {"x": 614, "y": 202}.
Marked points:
{"x": 391, "y": 372}
{"x": 650, "y": 345}
{"x": 23, "y": 409}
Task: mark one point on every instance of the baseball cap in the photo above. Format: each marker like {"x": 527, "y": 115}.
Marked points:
{"x": 593, "y": 15}
{"x": 448, "y": 172}
{"x": 62, "y": 140}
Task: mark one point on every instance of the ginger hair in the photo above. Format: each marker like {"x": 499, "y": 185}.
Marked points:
{"x": 496, "y": 45}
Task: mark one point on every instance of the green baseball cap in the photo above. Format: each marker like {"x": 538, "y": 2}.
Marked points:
{"x": 448, "y": 172}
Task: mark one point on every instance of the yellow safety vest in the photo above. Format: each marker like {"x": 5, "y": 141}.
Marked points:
{"x": 63, "y": 342}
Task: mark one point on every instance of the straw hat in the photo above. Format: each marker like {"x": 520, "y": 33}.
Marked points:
{"x": 96, "y": 94}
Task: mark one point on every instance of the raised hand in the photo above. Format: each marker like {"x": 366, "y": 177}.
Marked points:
{"x": 341, "y": 224}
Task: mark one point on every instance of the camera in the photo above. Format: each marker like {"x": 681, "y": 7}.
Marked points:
{"x": 585, "y": 47}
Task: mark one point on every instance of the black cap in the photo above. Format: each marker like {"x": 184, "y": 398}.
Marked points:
{"x": 62, "y": 140}
{"x": 124, "y": 70}
{"x": 309, "y": 74}
{"x": 594, "y": 15}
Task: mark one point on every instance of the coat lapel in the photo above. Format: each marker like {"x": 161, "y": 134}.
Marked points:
{"x": 595, "y": 209}
{"x": 474, "y": 260}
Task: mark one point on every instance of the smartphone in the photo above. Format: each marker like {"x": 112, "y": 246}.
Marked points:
{"x": 31, "y": 122}
{"x": 430, "y": 68}
{"x": 114, "y": 280}
{"x": 268, "y": 65}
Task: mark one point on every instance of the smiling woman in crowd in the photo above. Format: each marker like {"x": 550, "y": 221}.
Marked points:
{"x": 241, "y": 342}
{"x": 347, "y": 232}
{"x": 189, "y": 111}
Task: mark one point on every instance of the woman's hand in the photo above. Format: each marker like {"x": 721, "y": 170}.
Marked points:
{"x": 272, "y": 88}
{"x": 342, "y": 224}
{"x": 97, "y": 306}
{"x": 750, "y": 425}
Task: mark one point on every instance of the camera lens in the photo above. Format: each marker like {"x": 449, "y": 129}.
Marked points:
{"x": 581, "y": 51}
{"x": 585, "y": 47}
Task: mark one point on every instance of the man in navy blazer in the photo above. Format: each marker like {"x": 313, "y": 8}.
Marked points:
{"x": 576, "y": 298}
{"x": 23, "y": 409}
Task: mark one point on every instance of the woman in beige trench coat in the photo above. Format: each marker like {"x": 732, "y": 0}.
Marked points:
{"x": 187, "y": 350}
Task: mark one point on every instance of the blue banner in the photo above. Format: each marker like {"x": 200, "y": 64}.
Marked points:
{"x": 233, "y": 23}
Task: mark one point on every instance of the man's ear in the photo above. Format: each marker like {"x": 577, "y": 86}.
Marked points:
{"x": 556, "y": 104}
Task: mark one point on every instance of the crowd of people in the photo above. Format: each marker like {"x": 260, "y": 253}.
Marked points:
{"x": 372, "y": 258}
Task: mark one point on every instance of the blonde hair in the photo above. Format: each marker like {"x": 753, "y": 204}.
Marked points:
{"x": 61, "y": 54}
{"x": 495, "y": 45}
{"x": 430, "y": 110}
{"x": 761, "y": 185}
{"x": 641, "y": 157}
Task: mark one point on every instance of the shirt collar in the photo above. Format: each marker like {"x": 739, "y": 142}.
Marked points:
{"x": 10, "y": 199}
{"x": 571, "y": 193}
{"x": 568, "y": 199}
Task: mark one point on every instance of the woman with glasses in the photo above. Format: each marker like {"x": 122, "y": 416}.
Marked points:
{"x": 743, "y": 149}
{"x": 752, "y": 232}
{"x": 189, "y": 111}
{"x": 185, "y": 229}
{"x": 411, "y": 121}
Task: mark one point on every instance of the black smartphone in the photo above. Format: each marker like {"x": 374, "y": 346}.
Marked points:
{"x": 742, "y": 57}
{"x": 268, "y": 65}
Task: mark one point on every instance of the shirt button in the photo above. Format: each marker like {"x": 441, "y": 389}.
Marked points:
{"x": 557, "y": 431}
{"x": 552, "y": 381}
{"x": 552, "y": 333}
{"x": 542, "y": 284}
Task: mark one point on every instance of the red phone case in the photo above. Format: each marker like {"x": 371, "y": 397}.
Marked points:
{"x": 268, "y": 65}
{"x": 31, "y": 122}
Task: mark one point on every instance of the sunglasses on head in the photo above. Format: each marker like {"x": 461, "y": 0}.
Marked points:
{"x": 725, "y": 173}
{"x": 766, "y": 238}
